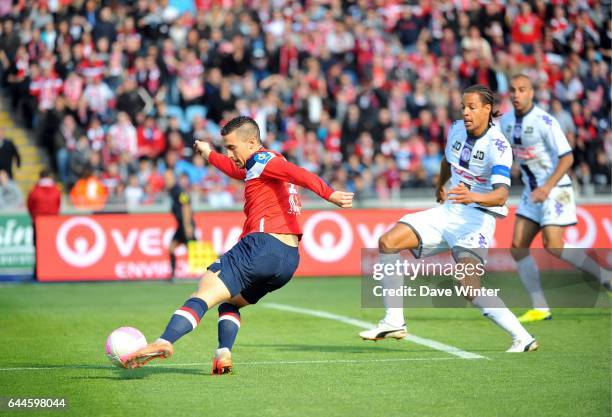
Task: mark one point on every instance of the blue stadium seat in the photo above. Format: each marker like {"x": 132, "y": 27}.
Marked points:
{"x": 177, "y": 111}
{"x": 194, "y": 110}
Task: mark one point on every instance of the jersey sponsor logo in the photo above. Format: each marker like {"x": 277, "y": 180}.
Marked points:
{"x": 501, "y": 145}
{"x": 529, "y": 130}
{"x": 465, "y": 175}
{"x": 183, "y": 198}
{"x": 524, "y": 152}
{"x": 482, "y": 241}
{"x": 479, "y": 155}
{"x": 256, "y": 164}
{"x": 547, "y": 120}
{"x": 457, "y": 145}
{"x": 263, "y": 157}
{"x": 295, "y": 205}
{"x": 558, "y": 208}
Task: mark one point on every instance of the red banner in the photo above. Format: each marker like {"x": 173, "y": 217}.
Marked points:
{"x": 135, "y": 246}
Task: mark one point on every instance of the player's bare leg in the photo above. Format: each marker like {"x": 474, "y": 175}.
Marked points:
{"x": 525, "y": 231}
{"x": 171, "y": 249}
{"x": 400, "y": 237}
{"x": 494, "y": 308}
{"x": 228, "y": 326}
{"x": 552, "y": 238}
{"x": 211, "y": 291}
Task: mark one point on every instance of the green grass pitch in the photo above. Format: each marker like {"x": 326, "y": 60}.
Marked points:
{"x": 289, "y": 364}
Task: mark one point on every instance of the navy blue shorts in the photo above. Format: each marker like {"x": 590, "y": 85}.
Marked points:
{"x": 256, "y": 265}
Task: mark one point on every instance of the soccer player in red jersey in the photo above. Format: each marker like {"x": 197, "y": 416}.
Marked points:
{"x": 266, "y": 256}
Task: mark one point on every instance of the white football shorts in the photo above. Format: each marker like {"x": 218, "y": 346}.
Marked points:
{"x": 559, "y": 209}
{"x": 452, "y": 226}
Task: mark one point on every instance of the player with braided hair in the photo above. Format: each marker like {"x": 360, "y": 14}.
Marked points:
{"x": 477, "y": 161}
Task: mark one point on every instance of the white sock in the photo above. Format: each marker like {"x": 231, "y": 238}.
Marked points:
{"x": 579, "y": 258}
{"x": 394, "y": 306}
{"x": 530, "y": 275}
{"x": 495, "y": 309}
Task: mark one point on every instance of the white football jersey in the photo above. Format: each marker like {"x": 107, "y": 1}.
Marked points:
{"x": 479, "y": 162}
{"x": 537, "y": 143}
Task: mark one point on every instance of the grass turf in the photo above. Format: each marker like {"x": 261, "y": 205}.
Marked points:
{"x": 60, "y": 329}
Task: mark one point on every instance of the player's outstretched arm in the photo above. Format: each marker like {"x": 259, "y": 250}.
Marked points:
{"x": 219, "y": 161}
{"x": 281, "y": 169}
{"x": 342, "y": 199}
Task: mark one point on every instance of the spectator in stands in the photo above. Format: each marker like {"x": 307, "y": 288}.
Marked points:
{"x": 298, "y": 71}
{"x": 151, "y": 140}
{"x": 89, "y": 193}
{"x": 99, "y": 98}
{"x": 65, "y": 142}
{"x": 220, "y": 198}
{"x": 527, "y": 28}
{"x": 563, "y": 117}
{"x": 10, "y": 194}
{"x": 134, "y": 193}
{"x": 9, "y": 155}
{"x": 122, "y": 137}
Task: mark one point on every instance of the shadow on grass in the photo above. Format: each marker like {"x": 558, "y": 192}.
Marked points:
{"x": 116, "y": 373}
{"x": 142, "y": 373}
{"x": 362, "y": 347}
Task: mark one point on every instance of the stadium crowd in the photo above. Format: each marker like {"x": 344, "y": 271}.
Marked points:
{"x": 361, "y": 92}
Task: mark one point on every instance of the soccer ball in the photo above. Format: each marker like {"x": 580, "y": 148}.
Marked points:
{"x": 122, "y": 342}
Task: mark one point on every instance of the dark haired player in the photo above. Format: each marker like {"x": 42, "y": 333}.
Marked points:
{"x": 266, "y": 256}
{"x": 547, "y": 203}
{"x": 181, "y": 209}
{"x": 477, "y": 161}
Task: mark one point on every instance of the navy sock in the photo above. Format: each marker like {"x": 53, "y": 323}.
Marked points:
{"x": 172, "y": 263}
{"x": 185, "y": 319}
{"x": 228, "y": 325}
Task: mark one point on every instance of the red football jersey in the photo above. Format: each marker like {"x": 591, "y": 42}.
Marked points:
{"x": 272, "y": 203}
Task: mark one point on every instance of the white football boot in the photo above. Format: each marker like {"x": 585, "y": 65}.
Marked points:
{"x": 384, "y": 331}
{"x": 523, "y": 345}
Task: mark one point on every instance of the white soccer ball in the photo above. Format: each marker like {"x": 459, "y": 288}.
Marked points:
{"x": 123, "y": 342}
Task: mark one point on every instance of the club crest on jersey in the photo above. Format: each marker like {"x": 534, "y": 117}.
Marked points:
{"x": 465, "y": 154}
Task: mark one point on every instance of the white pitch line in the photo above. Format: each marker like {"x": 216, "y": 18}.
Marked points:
{"x": 366, "y": 325}
{"x": 314, "y": 362}
{"x": 328, "y": 361}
